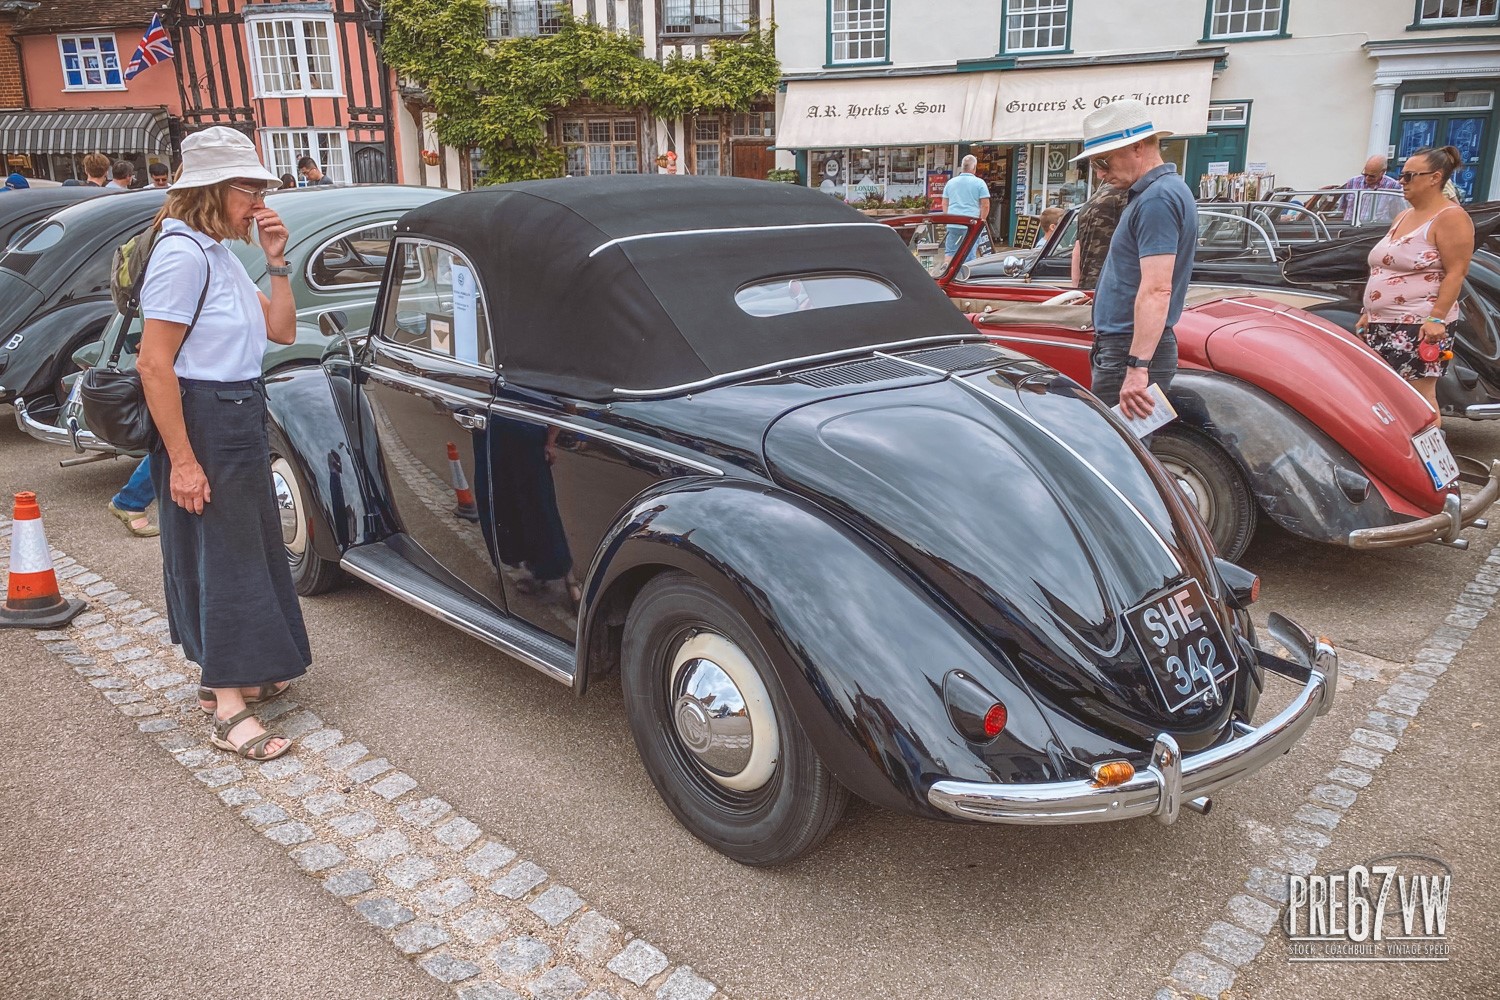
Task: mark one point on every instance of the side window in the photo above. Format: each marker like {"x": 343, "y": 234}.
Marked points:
{"x": 439, "y": 307}
{"x": 356, "y": 258}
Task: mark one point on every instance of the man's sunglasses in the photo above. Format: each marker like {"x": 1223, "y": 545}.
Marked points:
{"x": 1100, "y": 163}
{"x": 1407, "y": 176}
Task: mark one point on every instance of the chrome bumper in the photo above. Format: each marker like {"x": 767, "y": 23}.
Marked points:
{"x": 1171, "y": 780}
{"x": 1458, "y": 513}
{"x": 1483, "y": 411}
{"x": 71, "y": 434}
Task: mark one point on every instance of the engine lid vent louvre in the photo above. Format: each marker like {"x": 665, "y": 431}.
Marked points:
{"x": 855, "y": 373}
{"x": 958, "y": 357}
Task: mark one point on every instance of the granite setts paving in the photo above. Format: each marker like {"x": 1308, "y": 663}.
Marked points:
{"x": 460, "y": 904}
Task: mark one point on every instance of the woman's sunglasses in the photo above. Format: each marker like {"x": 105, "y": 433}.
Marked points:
{"x": 1407, "y": 176}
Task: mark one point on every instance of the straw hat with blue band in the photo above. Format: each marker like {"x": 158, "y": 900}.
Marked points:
{"x": 1115, "y": 126}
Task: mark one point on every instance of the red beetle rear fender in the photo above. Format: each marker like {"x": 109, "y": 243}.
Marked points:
{"x": 1299, "y": 475}
{"x": 859, "y": 648}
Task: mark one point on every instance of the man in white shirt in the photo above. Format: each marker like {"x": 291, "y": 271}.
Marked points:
{"x": 123, "y": 173}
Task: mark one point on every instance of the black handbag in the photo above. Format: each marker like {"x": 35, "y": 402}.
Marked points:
{"x": 114, "y": 402}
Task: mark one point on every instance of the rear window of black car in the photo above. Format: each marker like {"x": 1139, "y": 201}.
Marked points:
{"x": 40, "y": 238}
{"x": 800, "y": 293}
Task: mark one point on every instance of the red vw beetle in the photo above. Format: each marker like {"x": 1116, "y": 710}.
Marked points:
{"x": 1279, "y": 412}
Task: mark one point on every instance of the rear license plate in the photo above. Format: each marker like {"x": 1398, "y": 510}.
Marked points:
{"x": 1184, "y": 647}
{"x": 1436, "y": 457}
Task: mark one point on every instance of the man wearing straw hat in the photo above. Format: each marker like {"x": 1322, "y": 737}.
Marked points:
{"x": 1145, "y": 278}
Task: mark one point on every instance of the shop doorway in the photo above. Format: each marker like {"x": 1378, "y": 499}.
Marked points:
{"x": 1226, "y": 141}
{"x": 1462, "y": 115}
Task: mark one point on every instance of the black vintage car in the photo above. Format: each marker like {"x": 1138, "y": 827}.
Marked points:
{"x": 54, "y": 292}
{"x": 728, "y": 439}
{"x": 19, "y": 210}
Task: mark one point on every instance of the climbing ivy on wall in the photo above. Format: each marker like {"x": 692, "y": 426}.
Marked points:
{"x": 499, "y": 95}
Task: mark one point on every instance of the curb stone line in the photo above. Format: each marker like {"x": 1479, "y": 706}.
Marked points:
{"x": 409, "y": 864}
{"x": 1249, "y": 919}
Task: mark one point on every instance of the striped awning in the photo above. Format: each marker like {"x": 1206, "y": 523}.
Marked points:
{"x": 135, "y": 131}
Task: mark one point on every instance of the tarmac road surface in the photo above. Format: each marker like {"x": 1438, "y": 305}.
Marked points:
{"x": 124, "y": 876}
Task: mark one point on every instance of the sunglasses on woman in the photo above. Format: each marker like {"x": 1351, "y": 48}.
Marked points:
{"x": 1407, "y": 176}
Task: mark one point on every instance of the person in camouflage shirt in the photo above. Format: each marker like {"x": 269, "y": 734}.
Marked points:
{"x": 1097, "y": 220}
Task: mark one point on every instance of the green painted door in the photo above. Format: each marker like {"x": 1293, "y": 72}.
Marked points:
{"x": 1224, "y": 145}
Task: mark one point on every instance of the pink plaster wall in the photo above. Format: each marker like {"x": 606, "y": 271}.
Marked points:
{"x": 42, "y": 64}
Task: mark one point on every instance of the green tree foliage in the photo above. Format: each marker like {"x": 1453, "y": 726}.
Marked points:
{"x": 499, "y": 95}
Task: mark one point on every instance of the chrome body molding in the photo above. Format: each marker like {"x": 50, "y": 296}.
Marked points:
{"x": 733, "y": 229}
{"x": 1458, "y": 513}
{"x": 1171, "y": 780}
{"x": 1483, "y": 411}
{"x": 458, "y": 621}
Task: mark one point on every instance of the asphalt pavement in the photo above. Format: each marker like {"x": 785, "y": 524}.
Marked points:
{"x": 123, "y": 876}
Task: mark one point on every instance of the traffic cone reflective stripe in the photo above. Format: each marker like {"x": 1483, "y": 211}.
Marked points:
{"x": 32, "y": 597}
{"x": 466, "y": 507}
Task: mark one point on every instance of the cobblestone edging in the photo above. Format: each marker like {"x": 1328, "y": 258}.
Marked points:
{"x": 464, "y": 906}
{"x": 1248, "y": 919}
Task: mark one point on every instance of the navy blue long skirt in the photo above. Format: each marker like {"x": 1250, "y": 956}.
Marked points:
{"x": 230, "y": 598}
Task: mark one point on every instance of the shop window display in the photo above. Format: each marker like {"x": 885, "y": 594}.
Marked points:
{"x": 891, "y": 178}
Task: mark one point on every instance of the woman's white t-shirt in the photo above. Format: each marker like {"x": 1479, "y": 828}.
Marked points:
{"x": 228, "y": 344}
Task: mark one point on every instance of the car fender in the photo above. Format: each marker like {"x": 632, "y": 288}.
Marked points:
{"x": 305, "y": 406}
{"x": 28, "y": 364}
{"x": 1291, "y": 466}
{"x": 860, "y": 648}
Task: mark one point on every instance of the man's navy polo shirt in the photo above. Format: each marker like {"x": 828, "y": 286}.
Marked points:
{"x": 1161, "y": 218}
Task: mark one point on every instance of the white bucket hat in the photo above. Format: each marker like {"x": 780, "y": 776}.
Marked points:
{"x": 1115, "y": 125}
{"x": 220, "y": 154}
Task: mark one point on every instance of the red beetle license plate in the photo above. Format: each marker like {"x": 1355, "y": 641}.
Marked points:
{"x": 1183, "y": 644}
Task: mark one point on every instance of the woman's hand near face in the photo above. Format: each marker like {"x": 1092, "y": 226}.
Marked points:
{"x": 272, "y": 234}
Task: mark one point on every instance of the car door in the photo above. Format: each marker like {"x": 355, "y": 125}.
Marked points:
{"x": 429, "y": 380}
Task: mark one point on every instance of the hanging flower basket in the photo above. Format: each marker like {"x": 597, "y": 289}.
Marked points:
{"x": 430, "y": 157}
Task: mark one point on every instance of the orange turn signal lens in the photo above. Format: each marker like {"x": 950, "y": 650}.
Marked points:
{"x": 1114, "y": 772}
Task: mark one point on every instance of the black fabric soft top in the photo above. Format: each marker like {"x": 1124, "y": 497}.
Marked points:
{"x": 628, "y": 282}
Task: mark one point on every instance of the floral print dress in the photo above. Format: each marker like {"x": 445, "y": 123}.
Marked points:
{"x": 1405, "y": 273}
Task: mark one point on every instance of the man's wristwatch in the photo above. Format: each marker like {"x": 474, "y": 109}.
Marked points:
{"x": 279, "y": 270}
{"x": 1131, "y": 361}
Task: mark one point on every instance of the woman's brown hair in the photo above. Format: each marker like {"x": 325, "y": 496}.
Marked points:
{"x": 1445, "y": 158}
{"x": 201, "y": 208}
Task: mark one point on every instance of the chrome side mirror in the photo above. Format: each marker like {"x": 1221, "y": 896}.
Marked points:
{"x": 1013, "y": 265}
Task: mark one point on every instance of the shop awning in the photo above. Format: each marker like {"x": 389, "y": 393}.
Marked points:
{"x": 1049, "y": 105}
{"x": 999, "y": 106}
{"x": 135, "y": 131}
{"x": 887, "y": 111}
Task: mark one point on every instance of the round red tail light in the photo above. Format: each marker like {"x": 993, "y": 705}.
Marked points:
{"x": 994, "y": 720}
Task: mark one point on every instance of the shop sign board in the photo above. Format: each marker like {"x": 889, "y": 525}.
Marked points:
{"x": 936, "y": 181}
{"x": 1028, "y": 228}
{"x": 1049, "y": 105}
{"x": 895, "y": 111}
{"x": 1219, "y": 168}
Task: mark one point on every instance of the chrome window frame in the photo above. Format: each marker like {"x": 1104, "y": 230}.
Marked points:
{"x": 390, "y": 304}
{"x": 307, "y": 271}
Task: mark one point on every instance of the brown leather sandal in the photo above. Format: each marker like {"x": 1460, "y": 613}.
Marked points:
{"x": 253, "y": 748}
{"x": 262, "y": 694}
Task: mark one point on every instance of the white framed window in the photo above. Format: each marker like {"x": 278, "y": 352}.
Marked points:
{"x": 857, "y": 30}
{"x": 1447, "y": 12}
{"x": 329, "y": 147}
{"x": 1036, "y": 25}
{"x": 707, "y": 147}
{"x": 706, "y": 17}
{"x": 1467, "y": 100}
{"x": 90, "y": 62}
{"x": 1245, "y": 18}
{"x": 521, "y": 18}
{"x": 1228, "y": 114}
{"x": 294, "y": 55}
{"x": 596, "y": 146}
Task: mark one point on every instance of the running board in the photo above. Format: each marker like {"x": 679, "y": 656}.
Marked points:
{"x": 380, "y": 565}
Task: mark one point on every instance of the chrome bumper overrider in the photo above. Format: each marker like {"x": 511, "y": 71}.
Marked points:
{"x": 1458, "y": 513}
{"x": 1171, "y": 780}
{"x": 1483, "y": 411}
{"x": 71, "y": 435}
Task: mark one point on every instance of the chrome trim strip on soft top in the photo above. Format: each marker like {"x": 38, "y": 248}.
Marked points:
{"x": 977, "y": 390}
{"x": 811, "y": 359}
{"x": 735, "y": 229}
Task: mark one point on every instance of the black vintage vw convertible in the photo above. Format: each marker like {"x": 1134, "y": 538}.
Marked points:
{"x": 728, "y": 439}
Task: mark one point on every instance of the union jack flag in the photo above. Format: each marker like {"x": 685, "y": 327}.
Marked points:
{"x": 156, "y": 45}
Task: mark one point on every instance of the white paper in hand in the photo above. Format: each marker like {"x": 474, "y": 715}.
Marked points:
{"x": 1161, "y": 414}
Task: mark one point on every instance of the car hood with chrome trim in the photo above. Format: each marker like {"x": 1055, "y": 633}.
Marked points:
{"x": 1016, "y": 498}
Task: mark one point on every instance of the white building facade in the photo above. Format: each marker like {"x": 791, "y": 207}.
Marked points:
{"x": 1303, "y": 90}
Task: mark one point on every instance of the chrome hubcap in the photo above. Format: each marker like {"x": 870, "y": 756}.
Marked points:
{"x": 293, "y": 526}
{"x": 722, "y": 713}
{"x": 1194, "y": 488}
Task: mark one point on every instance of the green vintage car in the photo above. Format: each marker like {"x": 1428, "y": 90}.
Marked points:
{"x": 340, "y": 237}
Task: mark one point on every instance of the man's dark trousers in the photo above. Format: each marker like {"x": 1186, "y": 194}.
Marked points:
{"x": 1107, "y": 359}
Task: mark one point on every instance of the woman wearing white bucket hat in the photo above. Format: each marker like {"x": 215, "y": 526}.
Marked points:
{"x": 1144, "y": 282}
{"x": 230, "y": 599}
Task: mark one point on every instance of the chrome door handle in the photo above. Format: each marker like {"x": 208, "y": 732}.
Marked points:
{"x": 470, "y": 421}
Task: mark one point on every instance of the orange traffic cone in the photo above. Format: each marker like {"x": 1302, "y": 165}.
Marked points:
{"x": 466, "y": 508}
{"x": 33, "y": 600}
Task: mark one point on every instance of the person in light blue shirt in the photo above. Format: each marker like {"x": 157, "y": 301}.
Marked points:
{"x": 967, "y": 195}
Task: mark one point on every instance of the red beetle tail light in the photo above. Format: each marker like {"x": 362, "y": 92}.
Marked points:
{"x": 994, "y": 720}
{"x": 976, "y": 713}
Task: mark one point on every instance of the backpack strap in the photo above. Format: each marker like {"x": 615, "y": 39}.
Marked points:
{"x": 134, "y": 307}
